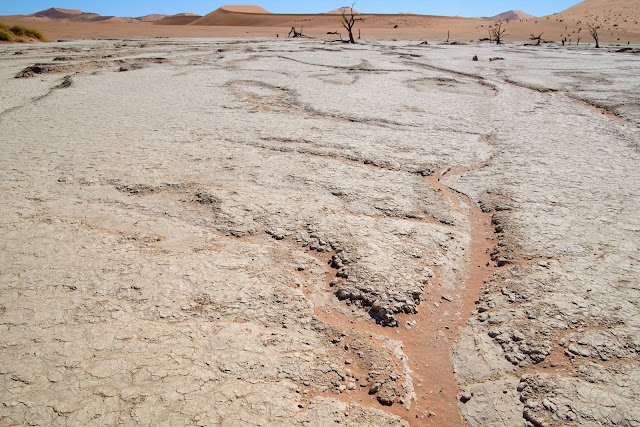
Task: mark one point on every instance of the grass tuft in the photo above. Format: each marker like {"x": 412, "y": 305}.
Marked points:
{"x": 5, "y": 35}
{"x": 8, "y": 33}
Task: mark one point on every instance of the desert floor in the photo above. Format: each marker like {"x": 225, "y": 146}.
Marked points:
{"x": 205, "y": 232}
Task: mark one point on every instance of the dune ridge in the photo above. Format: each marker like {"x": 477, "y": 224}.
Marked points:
{"x": 178, "y": 19}
{"x": 511, "y": 14}
{"x": 244, "y": 9}
{"x": 341, "y": 10}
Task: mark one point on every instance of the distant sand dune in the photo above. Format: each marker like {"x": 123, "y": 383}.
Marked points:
{"x": 226, "y": 17}
{"x": 341, "y": 10}
{"x": 151, "y": 18}
{"x": 244, "y": 9}
{"x": 178, "y": 19}
{"x": 56, "y": 12}
{"x": 67, "y": 15}
{"x": 512, "y": 14}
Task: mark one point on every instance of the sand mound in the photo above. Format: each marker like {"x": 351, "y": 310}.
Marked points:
{"x": 106, "y": 19}
{"x": 512, "y": 14}
{"x": 611, "y": 15}
{"x": 604, "y": 8}
{"x": 179, "y": 19}
{"x": 73, "y": 15}
{"x": 225, "y": 17}
{"x": 244, "y": 9}
{"x": 57, "y": 13}
{"x": 151, "y": 18}
{"x": 341, "y": 10}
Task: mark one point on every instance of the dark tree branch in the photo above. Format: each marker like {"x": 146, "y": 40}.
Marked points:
{"x": 498, "y": 31}
{"x": 593, "y": 30}
{"x": 349, "y": 20}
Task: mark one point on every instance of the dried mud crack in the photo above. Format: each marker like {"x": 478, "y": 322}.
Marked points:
{"x": 425, "y": 393}
{"x": 274, "y": 233}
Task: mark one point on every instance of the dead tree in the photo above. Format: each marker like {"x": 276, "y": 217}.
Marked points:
{"x": 498, "y": 31}
{"x": 348, "y": 21}
{"x": 593, "y": 30}
{"x": 538, "y": 38}
{"x": 294, "y": 33}
{"x": 336, "y": 33}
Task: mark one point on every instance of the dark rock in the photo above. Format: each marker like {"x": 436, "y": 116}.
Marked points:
{"x": 465, "y": 397}
{"x": 386, "y": 400}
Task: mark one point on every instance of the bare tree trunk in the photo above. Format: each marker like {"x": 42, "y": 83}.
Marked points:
{"x": 498, "y": 31}
{"x": 593, "y": 30}
{"x": 348, "y": 22}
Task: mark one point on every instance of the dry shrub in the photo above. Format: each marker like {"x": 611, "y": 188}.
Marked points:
{"x": 8, "y": 33}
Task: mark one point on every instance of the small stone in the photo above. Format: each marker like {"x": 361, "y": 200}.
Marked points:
{"x": 517, "y": 336}
{"x": 385, "y": 400}
{"x": 447, "y": 297}
{"x": 351, "y": 386}
{"x": 466, "y": 396}
{"x": 502, "y": 261}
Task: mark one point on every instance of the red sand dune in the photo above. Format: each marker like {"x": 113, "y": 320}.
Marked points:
{"x": 73, "y": 15}
{"x": 341, "y": 10}
{"x": 57, "y": 13}
{"x": 151, "y": 18}
{"x": 609, "y": 14}
{"x": 512, "y": 14}
{"x": 178, "y": 19}
{"x": 244, "y": 9}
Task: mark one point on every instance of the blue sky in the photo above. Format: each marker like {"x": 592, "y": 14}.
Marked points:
{"x": 469, "y": 8}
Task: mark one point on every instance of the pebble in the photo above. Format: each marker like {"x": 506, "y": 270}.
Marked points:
{"x": 502, "y": 261}
{"x": 385, "y": 400}
{"x": 466, "y": 396}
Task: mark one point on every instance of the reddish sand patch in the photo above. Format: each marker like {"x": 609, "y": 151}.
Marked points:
{"x": 428, "y": 343}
